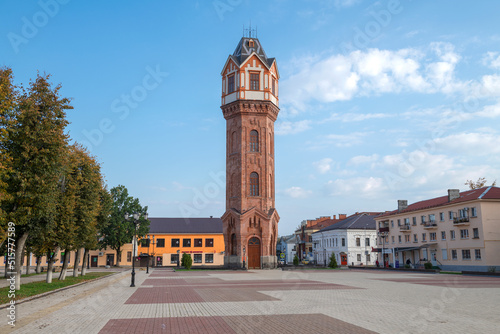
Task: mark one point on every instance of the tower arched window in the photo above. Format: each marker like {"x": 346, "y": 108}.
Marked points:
{"x": 254, "y": 141}
{"x": 233, "y": 244}
{"x": 254, "y": 184}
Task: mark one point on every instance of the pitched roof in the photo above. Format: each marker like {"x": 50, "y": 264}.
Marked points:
{"x": 465, "y": 196}
{"x": 355, "y": 222}
{"x": 185, "y": 225}
{"x": 243, "y": 51}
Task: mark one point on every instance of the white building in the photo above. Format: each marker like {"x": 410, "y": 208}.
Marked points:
{"x": 286, "y": 245}
{"x": 351, "y": 240}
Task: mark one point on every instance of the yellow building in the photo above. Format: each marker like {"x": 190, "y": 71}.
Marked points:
{"x": 169, "y": 238}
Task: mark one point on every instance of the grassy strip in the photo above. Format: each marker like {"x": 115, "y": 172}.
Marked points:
{"x": 36, "y": 288}
{"x": 451, "y": 272}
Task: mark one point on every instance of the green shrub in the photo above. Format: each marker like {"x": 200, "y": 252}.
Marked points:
{"x": 428, "y": 265}
{"x": 295, "y": 260}
{"x": 333, "y": 261}
{"x": 492, "y": 269}
{"x": 187, "y": 261}
{"x": 407, "y": 266}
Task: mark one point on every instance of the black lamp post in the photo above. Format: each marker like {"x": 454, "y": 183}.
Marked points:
{"x": 147, "y": 263}
{"x": 136, "y": 217}
{"x": 244, "y": 257}
{"x": 153, "y": 264}
{"x": 178, "y": 254}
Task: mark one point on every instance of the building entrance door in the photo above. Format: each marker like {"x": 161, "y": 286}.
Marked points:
{"x": 110, "y": 259}
{"x": 343, "y": 259}
{"x": 254, "y": 253}
{"x": 93, "y": 260}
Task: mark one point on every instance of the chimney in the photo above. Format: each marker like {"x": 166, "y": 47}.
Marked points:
{"x": 211, "y": 216}
{"x": 342, "y": 216}
{"x": 334, "y": 217}
{"x": 402, "y": 204}
{"x": 453, "y": 194}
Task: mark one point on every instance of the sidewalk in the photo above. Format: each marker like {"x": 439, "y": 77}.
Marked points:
{"x": 268, "y": 301}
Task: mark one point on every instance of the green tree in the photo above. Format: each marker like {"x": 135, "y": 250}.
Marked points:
{"x": 295, "y": 260}
{"x": 186, "y": 261}
{"x": 35, "y": 143}
{"x": 120, "y": 231}
{"x": 333, "y": 261}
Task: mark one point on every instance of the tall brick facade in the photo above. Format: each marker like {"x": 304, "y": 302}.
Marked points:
{"x": 250, "y": 107}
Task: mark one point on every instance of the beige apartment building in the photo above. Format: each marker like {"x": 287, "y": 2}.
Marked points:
{"x": 460, "y": 231}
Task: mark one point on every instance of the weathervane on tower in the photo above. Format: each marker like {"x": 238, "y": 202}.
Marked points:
{"x": 248, "y": 31}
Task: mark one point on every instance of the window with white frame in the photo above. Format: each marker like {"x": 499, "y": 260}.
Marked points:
{"x": 414, "y": 221}
{"x": 424, "y": 237}
{"x": 415, "y": 238}
{"x": 209, "y": 258}
{"x": 465, "y": 254}
{"x": 392, "y": 238}
{"x": 464, "y": 234}
{"x": 358, "y": 242}
{"x": 423, "y": 219}
{"x": 432, "y": 236}
{"x": 441, "y": 216}
{"x": 477, "y": 253}
{"x": 367, "y": 241}
{"x": 454, "y": 254}
{"x": 432, "y": 218}
{"x": 452, "y": 235}
{"x": 443, "y": 235}
{"x": 444, "y": 254}
{"x": 198, "y": 258}
{"x": 399, "y": 238}
{"x": 407, "y": 221}
{"x": 473, "y": 212}
{"x": 475, "y": 233}
{"x": 359, "y": 257}
{"x": 450, "y": 215}
{"x": 407, "y": 238}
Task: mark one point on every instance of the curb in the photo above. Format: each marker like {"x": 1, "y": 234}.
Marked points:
{"x": 58, "y": 290}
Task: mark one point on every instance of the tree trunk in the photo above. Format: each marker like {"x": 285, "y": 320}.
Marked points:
{"x": 38, "y": 264}
{"x": 77, "y": 262}
{"x": 50, "y": 265}
{"x": 85, "y": 259}
{"x": 64, "y": 269}
{"x": 118, "y": 256}
{"x": 6, "y": 269}
{"x": 28, "y": 262}
{"x": 18, "y": 258}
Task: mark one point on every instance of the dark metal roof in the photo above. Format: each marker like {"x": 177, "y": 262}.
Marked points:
{"x": 185, "y": 225}
{"x": 357, "y": 221}
{"x": 243, "y": 51}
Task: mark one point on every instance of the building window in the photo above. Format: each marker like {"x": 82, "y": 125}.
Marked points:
{"x": 358, "y": 242}
{"x": 432, "y": 236}
{"x": 174, "y": 258}
{"x": 273, "y": 87}
{"x": 452, "y": 235}
{"x": 359, "y": 257}
{"x": 160, "y": 242}
{"x": 423, "y": 219}
{"x": 432, "y": 218}
{"x": 254, "y": 184}
{"x": 407, "y": 238}
{"x": 443, "y": 235}
{"x": 144, "y": 242}
{"x": 392, "y": 223}
{"x": 464, "y": 234}
{"x": 254, "y": 141}
{"x": 230, "y": 84}
{"x": 175, "y": 242}
{"x": 343, "y": 242}
{"x": 473, "y": 212}
{"x": 465, "y": 254}
{"x": 475, "y": 233}
{"x": 415, "y": 238}
{"x": 444, "y": 254}
{"x": 450, "y": 215}
{"x": 424, "y": 235}
{"x": 209, "y": 258}
{"x": 129, "y": 256}
{"x": 209, "y": 242}
{"x": 399, "y": 222}
{"x": 392, "y": 238}
{"x": 186, "y": 242}
{"x": 198, "y": 242}
{"x": 477, "y": 253}
{"x": 367, "y": 241}
{"x": 198, "y": 258}
{"x": 454, "y": 254}
{"x": 254, "y": 81}
{"x": 414, "y": 221}
{"x": 407, "y": 221}
{"x": 441, "y": 216}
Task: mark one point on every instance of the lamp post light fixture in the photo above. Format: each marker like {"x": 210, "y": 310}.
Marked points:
{"x": 135, "y": 217}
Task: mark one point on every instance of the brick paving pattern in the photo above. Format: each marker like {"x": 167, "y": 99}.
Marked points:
{"x": 268, "y": 301}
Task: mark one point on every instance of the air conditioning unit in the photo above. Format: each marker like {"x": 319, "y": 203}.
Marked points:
{"x": 367, "y": 252}
{"x": 101, "y": 253}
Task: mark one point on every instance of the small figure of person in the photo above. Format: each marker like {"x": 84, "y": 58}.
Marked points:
{"x": 377, "y": 263}
{"x": 408, "y": 262}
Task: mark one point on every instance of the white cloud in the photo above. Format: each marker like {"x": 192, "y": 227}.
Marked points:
{"x": 355, "y": 117}
{"x": 287, "y": 127}
{"x": 324, "y": 165}
{"x": 363, "y": 159}
{"x": 297, "y": 192}
{"x": 470, "y": 143}
{"x": 345, "y": 3}
{"x": 359, "y": 186}
{"x": 492, "y": 59}
{"x": 346, "y": 140}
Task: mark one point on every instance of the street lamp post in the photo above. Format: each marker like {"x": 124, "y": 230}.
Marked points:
{"x": 154, "y": 257}
{"x": 383, "y": 235}
{"x": 244, "y": 257}
{"x": 147, "y": 262}
{"x": 178, "y": 255}
{"x": 136, "y": 217}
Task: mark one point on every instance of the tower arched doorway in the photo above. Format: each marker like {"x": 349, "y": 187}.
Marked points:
{"x": 254, "y": 253}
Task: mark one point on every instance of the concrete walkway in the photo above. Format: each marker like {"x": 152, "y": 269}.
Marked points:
{"x": 268, "y": 301}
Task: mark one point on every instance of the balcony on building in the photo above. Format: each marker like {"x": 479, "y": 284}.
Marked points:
{"x": 383, "y": 226}
{"x": 461, "y": 221}
{"x": 405, "y": 228}
{"x": 430, "y": 225}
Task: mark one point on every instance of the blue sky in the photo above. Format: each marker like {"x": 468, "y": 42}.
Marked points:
{"x": 379, "y": 101}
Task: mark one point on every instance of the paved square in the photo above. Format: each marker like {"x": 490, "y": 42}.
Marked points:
{"x": 269, "y": 301}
